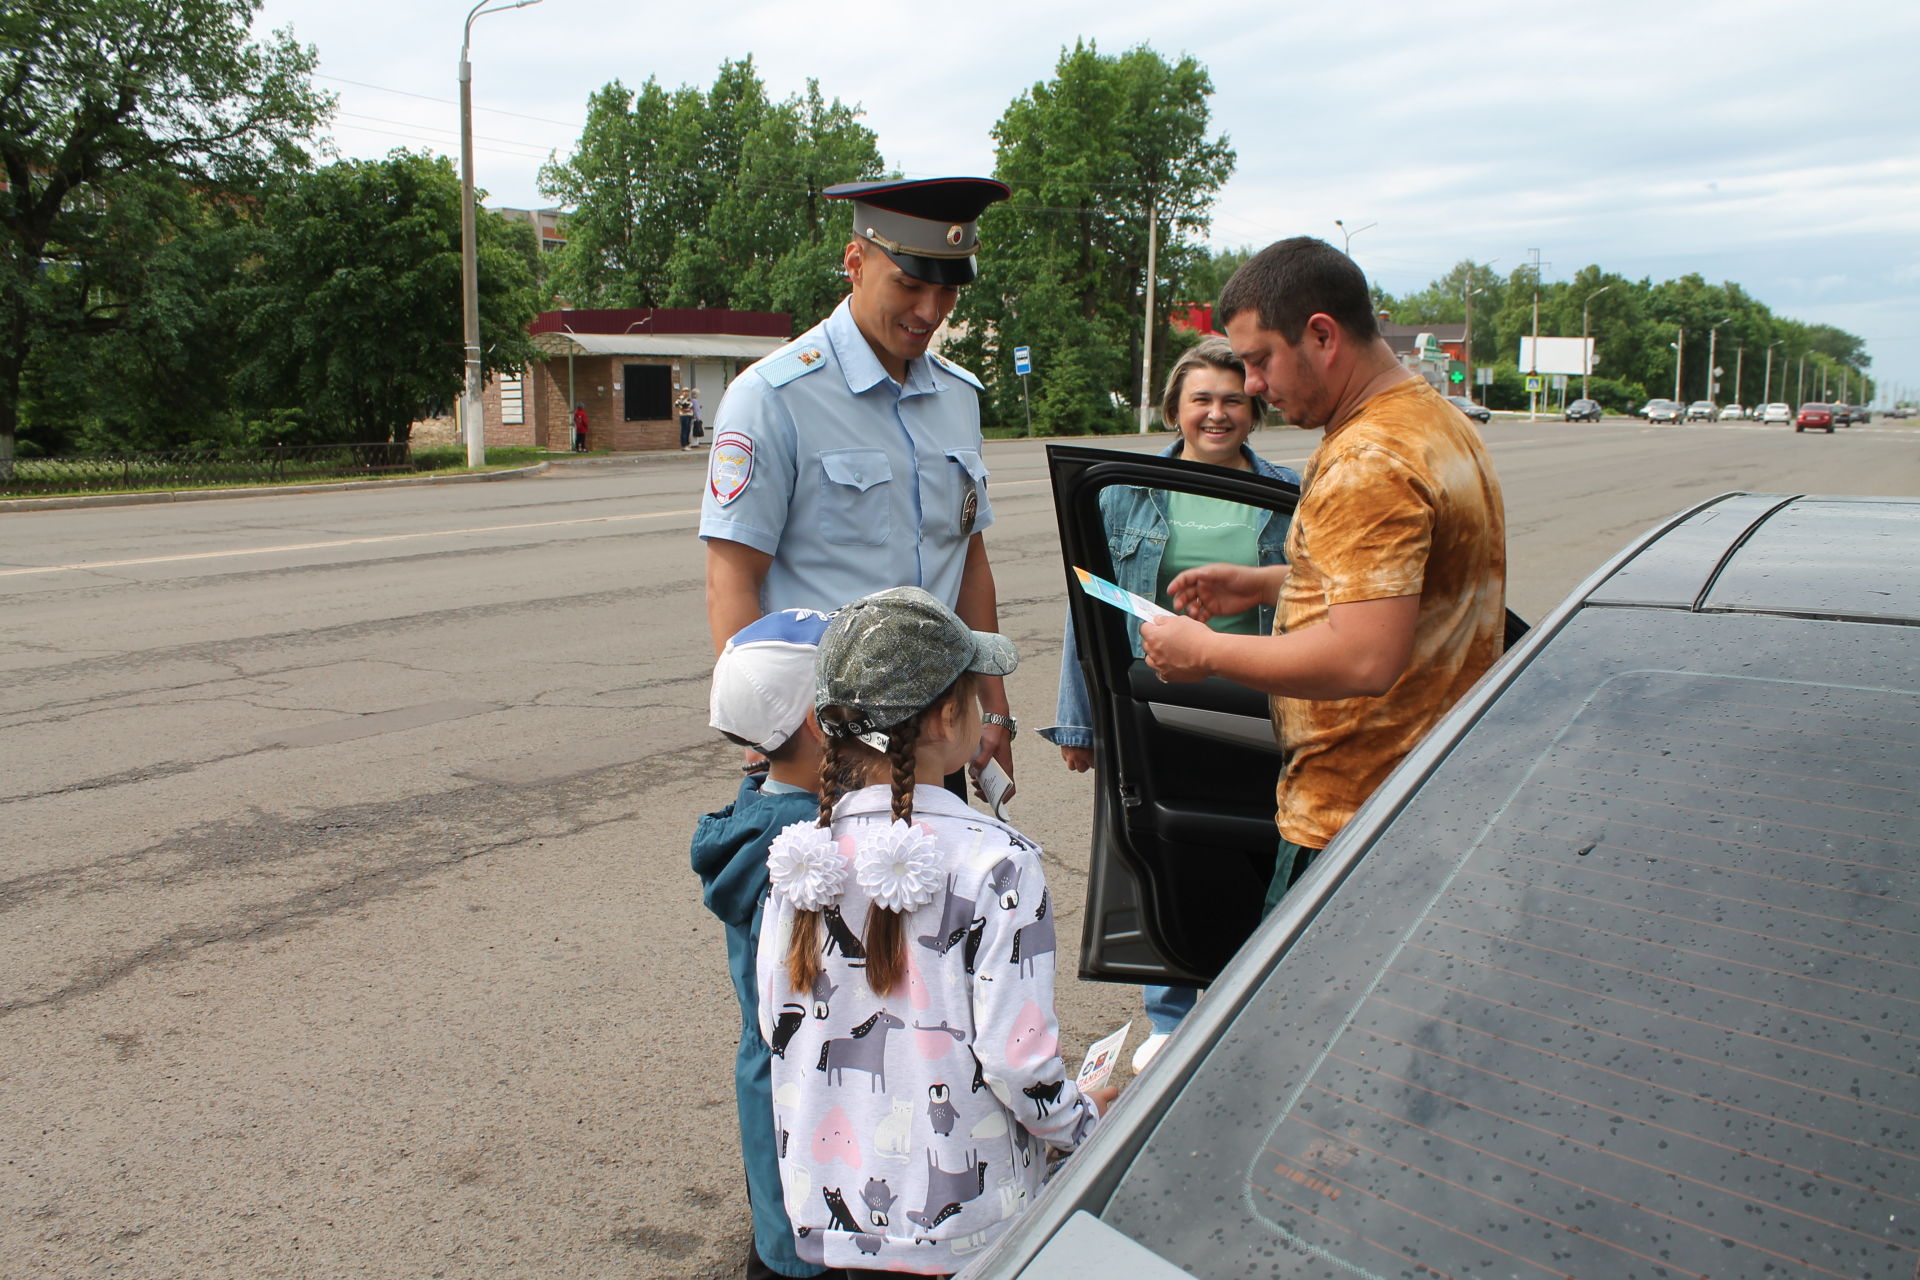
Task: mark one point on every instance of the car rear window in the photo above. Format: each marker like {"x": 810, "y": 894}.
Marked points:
{"x": 1630, "y": 988}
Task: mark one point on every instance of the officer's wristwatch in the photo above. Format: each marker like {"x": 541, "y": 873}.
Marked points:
{"x": 1008, "y": 723}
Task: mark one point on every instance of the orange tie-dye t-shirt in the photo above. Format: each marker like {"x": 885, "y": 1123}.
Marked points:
{"x": 1399, "y": 500}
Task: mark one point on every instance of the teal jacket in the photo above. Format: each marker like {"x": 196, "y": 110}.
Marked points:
{"x": 730, "y": 857}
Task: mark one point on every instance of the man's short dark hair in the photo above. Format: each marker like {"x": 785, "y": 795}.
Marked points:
{"x": 1292, "y": 279}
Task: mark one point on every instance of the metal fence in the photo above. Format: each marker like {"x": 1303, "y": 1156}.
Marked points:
{"x": 202, "y": 468}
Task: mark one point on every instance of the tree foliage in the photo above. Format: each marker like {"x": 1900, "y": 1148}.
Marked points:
{"x": 117, "y": 117}
{"x": 1063, "y": 265}
{"x": 355, "y": 315}
{"x": 708, "y": 199}
{"x": 1636, "y": 326}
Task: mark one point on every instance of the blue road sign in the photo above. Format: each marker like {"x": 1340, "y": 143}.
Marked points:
{"x": 1023, "y": 360}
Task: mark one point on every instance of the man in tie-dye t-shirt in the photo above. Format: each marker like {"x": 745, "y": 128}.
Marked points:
{"x": 1393, "y": 600}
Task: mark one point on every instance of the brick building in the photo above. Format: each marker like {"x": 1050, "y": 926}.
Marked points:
{"x": 626, "y": 367}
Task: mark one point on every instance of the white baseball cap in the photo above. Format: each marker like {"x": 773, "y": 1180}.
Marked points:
{"x": 763, "y": 679}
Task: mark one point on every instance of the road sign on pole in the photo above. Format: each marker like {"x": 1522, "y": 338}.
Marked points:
{"x": 1533, "y": 384}
{"x": 1023, "y": 360}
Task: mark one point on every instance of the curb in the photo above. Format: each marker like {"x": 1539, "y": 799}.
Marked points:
{"x": 254, "y": 491}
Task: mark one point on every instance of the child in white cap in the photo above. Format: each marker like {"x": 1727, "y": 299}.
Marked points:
{"x": 762, "y": 698}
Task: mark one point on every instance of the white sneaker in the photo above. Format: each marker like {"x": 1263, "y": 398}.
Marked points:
{"x": 1148, "y": 1050}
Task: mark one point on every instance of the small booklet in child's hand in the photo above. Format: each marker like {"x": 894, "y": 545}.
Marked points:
{"x": 1119, "y": 597}
{"x": 1100, "y": 1059}
{"x": 995, "y": 786}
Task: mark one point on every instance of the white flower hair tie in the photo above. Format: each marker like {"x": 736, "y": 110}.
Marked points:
{"x": 805, "y": 865}
{"x": 899, "y": 867}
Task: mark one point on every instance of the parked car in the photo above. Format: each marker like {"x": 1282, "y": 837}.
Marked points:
{"x": 1814, "y": 416}
{"x": 1777, "y": 412}
{"x": 1644, "y": 409}
{"x": 1479, "y": 413}
{"x": 1612, "y": 976}
{"x": 1665, "y": 411}
{"x": 1733, "y": 413}
{"x": 1700, "y": 411}
{"x": 1583, "y": 411}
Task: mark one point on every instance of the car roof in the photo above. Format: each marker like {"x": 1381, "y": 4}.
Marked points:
{"x": 1754, "y": 553}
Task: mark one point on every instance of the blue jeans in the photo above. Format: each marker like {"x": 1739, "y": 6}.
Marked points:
{"x": 1167, "y": 1006}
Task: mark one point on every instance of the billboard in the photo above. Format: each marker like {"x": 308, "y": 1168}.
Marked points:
{"x": 1558, "y": 355}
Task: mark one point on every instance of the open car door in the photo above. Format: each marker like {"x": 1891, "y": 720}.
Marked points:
{"x": 1183, "y": 834}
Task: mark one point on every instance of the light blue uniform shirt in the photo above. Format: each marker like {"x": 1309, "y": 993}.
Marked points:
{"x": 852, "y": 482}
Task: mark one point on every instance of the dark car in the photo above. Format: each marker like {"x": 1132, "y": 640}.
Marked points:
{"x": 1583, "y": 411}
{"x": 1814, "y": 416}
{"x": 1613, "y": 976}
{"x": 1842, "y": 414}
{"x": 1479, "y": 413}
{"x": 1862, "y": 414}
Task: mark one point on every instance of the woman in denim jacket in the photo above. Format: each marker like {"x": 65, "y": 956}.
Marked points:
{"x": 1206, "y": 399}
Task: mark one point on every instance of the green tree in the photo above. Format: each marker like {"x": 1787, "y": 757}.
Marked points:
{"x": 708, "y": 199}
{"x": 355, "y": 317}
{"x": 110, "y": 111}
{"x": 1063, "y": 267}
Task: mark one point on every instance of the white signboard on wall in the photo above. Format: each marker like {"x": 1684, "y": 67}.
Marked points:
{"x": 1559, "y": 355}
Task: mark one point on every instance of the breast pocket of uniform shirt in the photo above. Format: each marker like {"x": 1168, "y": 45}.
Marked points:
{"x": 971, "y": 509}
{"x": 855, "y": 496}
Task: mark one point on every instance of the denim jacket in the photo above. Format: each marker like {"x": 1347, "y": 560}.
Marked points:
{"x": 1136, "y": 521}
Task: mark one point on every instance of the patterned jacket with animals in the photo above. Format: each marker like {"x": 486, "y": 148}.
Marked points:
{"x": 912, "y": 1126}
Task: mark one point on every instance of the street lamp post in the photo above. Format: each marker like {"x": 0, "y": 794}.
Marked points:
{"x": 1347, "y": 246}
{"x": 470, "y": 417}
{"x": 1586, "y": 352}
{"x": 1679, "y": 345}
{"x": 1713, "y": 372}
{"x": 1766, "y": 389}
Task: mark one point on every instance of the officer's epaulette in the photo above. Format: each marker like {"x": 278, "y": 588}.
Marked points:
{"x": 964, "y": 375}
{"x": 784, "y": 366}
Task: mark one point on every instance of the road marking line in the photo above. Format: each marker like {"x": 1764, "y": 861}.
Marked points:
{"x": 341, "y": 542}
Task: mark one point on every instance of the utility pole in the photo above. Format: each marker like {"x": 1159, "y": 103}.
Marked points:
{"x": 1713, "y": 370}
{"x": 1533, "y": 371}
{"x": 1800, "y": 387}
{"x": 471, "y": 418}
{"x": 1146, "y": 342}
{"x": 1467, "y": 346}
{"x": 1739, "y": 367}
{"x": 1586, "y": 352}
{"x": 1679, "y": 354}
{"x": 1766, "y": 391}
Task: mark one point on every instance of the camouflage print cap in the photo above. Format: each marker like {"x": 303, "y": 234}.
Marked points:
{"x": 890, "y": 655}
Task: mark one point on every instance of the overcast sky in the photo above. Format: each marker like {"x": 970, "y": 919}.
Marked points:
{"x": 1772, "y": 143}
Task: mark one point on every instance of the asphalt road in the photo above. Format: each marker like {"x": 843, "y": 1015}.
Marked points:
{"x": 343, "y": 873}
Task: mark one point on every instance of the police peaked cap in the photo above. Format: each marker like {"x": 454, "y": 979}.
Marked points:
{"x": 926, "y": 225}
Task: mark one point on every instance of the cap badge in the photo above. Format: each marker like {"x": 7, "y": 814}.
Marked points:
{"x": 955, "y": 234}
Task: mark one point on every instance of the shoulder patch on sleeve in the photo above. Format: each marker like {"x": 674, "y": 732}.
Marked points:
{"x": 796, "y": 361}
{"x": 729, "y": 466}
{"x": 964, "y": 375}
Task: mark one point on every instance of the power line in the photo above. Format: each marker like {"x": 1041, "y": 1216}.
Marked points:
{"x": 449, "y": 102}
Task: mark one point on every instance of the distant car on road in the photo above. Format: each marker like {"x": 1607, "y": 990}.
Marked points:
{"x": 1842, "y": 415}
{"x": 1665, "y": 411}
{"x": 1776, "y": 412}
{"x": 1479, "y": 413}
{"x": 1862, "y": 414}
{"x": 1700, "y": 411}
{"x": 1612, "y": 976}
{"x": 1733, "y": 413}
{"x": 1583, "y": 411}
{"x": 1814, "y": 416}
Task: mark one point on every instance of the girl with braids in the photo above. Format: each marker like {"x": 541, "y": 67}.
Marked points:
{"x": 906, "y": 965}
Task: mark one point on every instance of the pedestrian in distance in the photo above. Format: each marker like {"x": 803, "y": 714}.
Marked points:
{"x": 579, "y": 428}
{"x": 906, "y": 965}
{"x": 1153, "y": 536}
{"x": 762, "y": 697}
{"x": 1393, "y": 600}
{"x": 683, "y": 406}
{"x": 849, "y": 460}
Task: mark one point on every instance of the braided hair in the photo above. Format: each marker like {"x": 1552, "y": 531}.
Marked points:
{"x": 847, "y": 765}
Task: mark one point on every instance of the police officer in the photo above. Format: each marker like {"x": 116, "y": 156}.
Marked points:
{"x": 849, "y": 460}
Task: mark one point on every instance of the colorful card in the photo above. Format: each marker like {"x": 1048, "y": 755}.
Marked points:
{"x": 1100, "y": 1059}
{"x": 1119, "y": 597}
